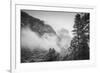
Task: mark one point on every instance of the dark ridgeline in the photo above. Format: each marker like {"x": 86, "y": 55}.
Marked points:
{"x": 35, "y": 24}
{"x": 79, "y": 47}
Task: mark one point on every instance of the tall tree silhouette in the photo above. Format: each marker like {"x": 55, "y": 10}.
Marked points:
{"x": 80, "y": 42}
{"x": 52, "y": 55}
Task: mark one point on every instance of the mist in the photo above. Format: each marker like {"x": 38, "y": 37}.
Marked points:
{"x": 31, "y": 40}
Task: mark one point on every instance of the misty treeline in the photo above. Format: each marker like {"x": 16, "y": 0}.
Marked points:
{"x": 79, "y": 46}
{"x": 40, "y": 55}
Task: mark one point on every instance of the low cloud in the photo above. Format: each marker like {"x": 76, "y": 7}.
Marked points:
{"x": 31, "y": 40}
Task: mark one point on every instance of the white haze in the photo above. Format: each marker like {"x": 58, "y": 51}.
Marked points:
{"x": 32, "y": 40}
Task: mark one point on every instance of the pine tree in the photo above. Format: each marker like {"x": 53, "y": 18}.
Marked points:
{"x": 52, "y": 55}
{"x": 80, "y": 42}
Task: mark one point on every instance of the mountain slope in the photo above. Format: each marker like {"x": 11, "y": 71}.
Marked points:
{"x": 35, "y": 24}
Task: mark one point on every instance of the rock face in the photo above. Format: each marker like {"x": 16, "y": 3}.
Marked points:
{"x": 35, "y": 24}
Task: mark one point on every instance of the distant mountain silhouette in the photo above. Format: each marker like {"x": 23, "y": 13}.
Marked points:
{"x": 35, "y": 24}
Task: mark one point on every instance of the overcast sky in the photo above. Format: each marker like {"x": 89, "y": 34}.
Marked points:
{"x": 57, "y": 20}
